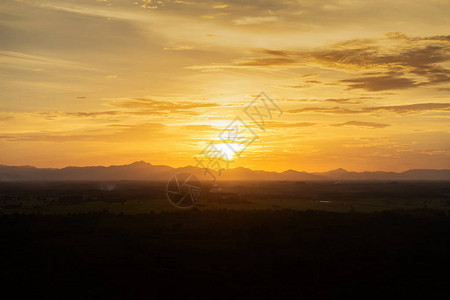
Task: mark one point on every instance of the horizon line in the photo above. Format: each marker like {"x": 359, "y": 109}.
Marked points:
{"x": 255, "y": 170}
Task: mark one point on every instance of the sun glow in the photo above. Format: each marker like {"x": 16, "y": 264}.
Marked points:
{"x": 229, "y": 151}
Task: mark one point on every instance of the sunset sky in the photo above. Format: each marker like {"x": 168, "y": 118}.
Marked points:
{"x": 363, "y": 85}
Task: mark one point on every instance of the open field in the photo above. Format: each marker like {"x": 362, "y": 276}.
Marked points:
{"x": 314, "y": 240}
{"x": 223, "y": 254}
{"x": 132, "y": 197}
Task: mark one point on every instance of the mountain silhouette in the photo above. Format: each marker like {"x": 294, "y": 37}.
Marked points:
{"x": 142, "y": 170}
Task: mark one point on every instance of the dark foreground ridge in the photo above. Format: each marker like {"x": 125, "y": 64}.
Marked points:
{"x": 227, "y": 254}
{"x": 145, "y": 171}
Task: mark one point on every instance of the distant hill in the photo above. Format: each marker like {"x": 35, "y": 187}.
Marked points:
{"x": 145, "y": 171}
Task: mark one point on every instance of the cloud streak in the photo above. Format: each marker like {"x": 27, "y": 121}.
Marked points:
{"x": 397, "y": 61}
{"x": 151, "y": 106}
{"x": 114, "y": 134}
{"x": 400, "y": 109}
{"x": 362, "y": 124}
{"x": 380, "y": 83}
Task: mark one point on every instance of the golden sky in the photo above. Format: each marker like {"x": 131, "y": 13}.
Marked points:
{"x": 363, "y": 85}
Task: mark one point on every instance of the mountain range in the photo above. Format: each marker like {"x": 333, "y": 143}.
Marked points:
{"x": 145, "y": 171}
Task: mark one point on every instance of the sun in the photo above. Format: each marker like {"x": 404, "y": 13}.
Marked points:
{"x": 229, "y": 151}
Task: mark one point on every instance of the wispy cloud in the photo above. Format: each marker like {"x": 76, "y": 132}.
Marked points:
{"x": 21, "y": 60}
{"x": 265, "y": 62}
{"x": 145, "y": 105}
{"x": 120, "y": 133}
{"x": 254, "y": 20}
{"x": 397, "y": 61}
{"x": 380, "y": 83}
{"x": 400, "y": 109}
{"x": 273, "y": 124}
{"x": 199, "y": 127}
{"x": 362, "y": 124}
{"x": 115, "y": 76}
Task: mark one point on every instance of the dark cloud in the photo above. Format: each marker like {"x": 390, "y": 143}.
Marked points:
{"x": 401, "y": 109}
{"x": 53, "y": 115}
{"x": 309, "y": 75}
{"x": 330, "y": 110}
{"x": 344, "y": 100}
{"x": 411, "y": 108}
{"x": 395, "y": 60}
{"x": 436, "y": 74}
{"x": 379, "y": 83}
{"x": 352, "y": 100}
{"x": 289, "y": 125}
{"x": 370, "y": 56}
{"x": 89, "y": 114}
{"x": 362, "y": 124}
{"x": 276, "y": 52}
{"x": 300, "y": 86}
{"x": 265, "y": 62}
{"x": 402, "y": 36}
